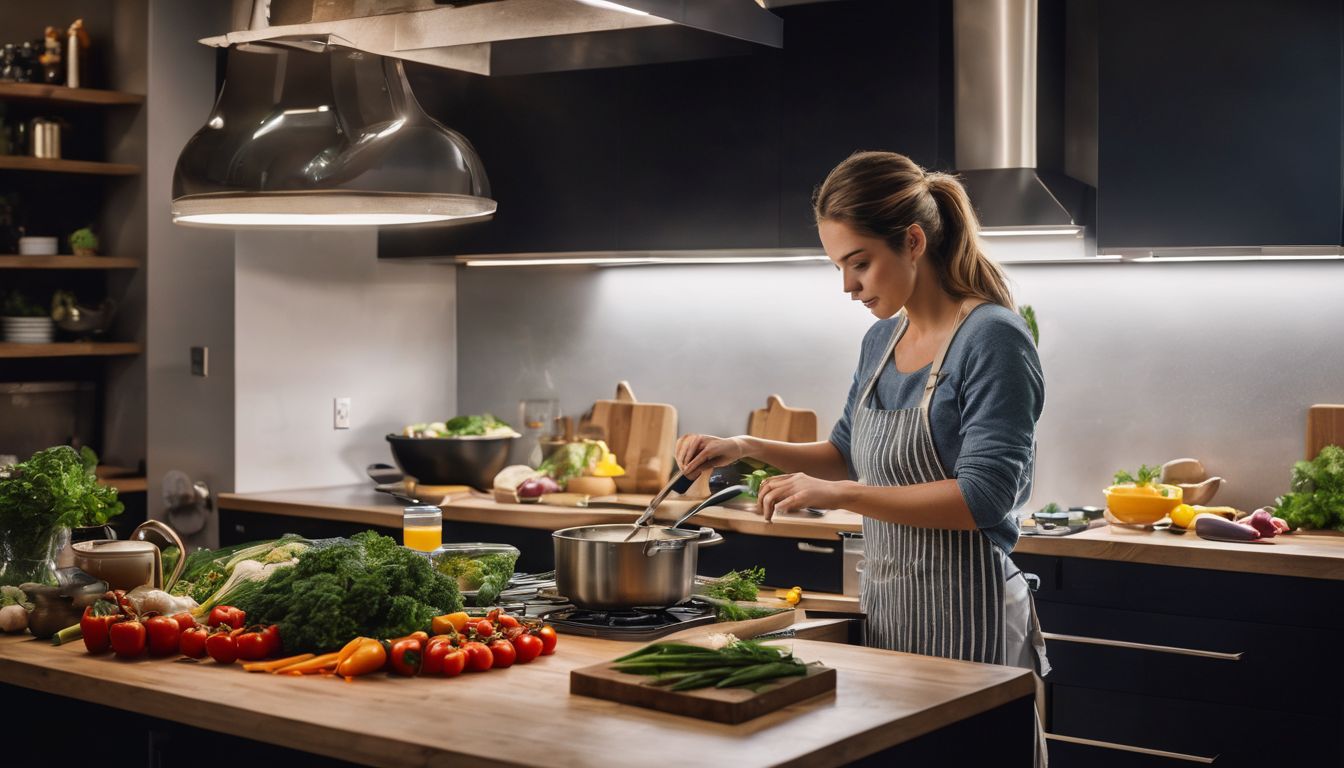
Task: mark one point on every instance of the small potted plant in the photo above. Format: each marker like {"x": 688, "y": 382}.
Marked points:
{"x": 23, "y": 320}
{"x": 83, "y": 242}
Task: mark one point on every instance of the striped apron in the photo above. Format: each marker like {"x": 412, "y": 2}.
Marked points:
{"x": 932, "y": 591}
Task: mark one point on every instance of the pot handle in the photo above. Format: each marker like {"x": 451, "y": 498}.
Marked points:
{"x": 709, "y": 537}
{"x": 653, "y": 547}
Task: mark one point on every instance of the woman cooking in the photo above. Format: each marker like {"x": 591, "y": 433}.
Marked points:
{"x": 935, "y": 446}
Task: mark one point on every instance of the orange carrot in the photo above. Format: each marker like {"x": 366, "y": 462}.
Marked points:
{"x": 271, "y": 666}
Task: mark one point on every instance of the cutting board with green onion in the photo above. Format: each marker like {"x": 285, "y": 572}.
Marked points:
{"x": 722, "y": 705}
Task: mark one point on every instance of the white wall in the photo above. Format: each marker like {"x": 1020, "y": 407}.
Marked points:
{"x": 1143, "y": 362}
{"x": 319, "y": 317}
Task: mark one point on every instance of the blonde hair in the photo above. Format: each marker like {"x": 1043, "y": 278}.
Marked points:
{"x": 880, "y": 194}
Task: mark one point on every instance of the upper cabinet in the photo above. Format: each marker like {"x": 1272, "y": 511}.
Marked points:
{"x": 1219, "y": 123}
{"x": 714, "y": 154}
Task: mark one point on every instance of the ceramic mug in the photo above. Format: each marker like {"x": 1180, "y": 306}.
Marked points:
{"x": 129, "y": 564}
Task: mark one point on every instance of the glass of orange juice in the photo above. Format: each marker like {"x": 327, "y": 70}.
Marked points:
{"x": 422, "y": 528}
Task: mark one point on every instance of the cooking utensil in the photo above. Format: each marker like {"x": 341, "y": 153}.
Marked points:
{"x": 679, "y": 483}
{"x": 643, "y": 435}
{"x": 731, "y": 492}
{"x": 595, "y": 567}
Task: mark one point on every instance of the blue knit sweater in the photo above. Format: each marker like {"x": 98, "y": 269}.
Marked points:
{"x": 983, "y": 415}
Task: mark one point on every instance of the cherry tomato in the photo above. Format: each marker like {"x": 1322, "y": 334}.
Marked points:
{"x": 192, "y": 642}
{"x": 127, "y": 638}
{"x": 222, "y": 647}
{"x": 95, "y": 623}
{"x": 250, "y": 646}
{"x": 484, "y": 628}
{"x": 406, "y": 658}
{"x": 508, "y": 622}
{"x": 503, "y": 652}
{"x": 435, "y": 649}
{"x": 548, "y": 639}
{"x": 494, "y": 614}
{"x": 528, "y": 647}
{"x": 163, "y": 635}
{"x": 273, "y": 644}
{"x": 226, "y": 614}
{"x": 479, "y": 656}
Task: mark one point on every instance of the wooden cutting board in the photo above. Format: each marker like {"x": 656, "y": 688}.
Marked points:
{"x": 722, "y": 705}
{"x": 1325, "y": 426}
{"x": 777, "y": 421}
{"x": 642, "y": 435}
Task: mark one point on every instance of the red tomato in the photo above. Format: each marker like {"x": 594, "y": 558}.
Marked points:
{"x": 192, "y": 642}
{"x": 484, "y": 628}
{"x": 184, "y": 621}
{"x": 548, "y": 639}
{"x": 222, "y": 648}
{"x": 454, "y": 661}
{"x": 127, "y": 638}
{"x": 508, "y": 622}
{"x": 163, "y": 633}
{"x": 528, "y": 647}
{"x": 479, "y": 656}
{"x": 273, "y": 644}
{"x": 503, "y": 652}
{"x": 494, "y": 614}
{"x": 405, "y": 658}
{"x": 250, "y": 646}
{"x": 226, "y": 614}
{"x": 437, "y": 647}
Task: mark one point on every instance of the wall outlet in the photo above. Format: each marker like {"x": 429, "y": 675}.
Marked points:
{"x": 340, "y": 413}
{"x": 200, "y": 361}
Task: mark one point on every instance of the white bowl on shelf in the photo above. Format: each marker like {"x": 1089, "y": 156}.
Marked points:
{"x": 37, "y": 246}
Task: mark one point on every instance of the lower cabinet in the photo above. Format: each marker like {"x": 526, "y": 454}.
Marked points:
{"x": 1159, "y": 665}
{"x": 813, "y": 564}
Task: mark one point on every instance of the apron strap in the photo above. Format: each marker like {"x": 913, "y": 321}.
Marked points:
{"x": 937, "y": 367}
{"x": 902, "y": 322}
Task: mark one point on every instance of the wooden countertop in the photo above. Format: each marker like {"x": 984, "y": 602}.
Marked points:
{"x": 882, "y": 699}
{"x": 362, "y": 504}
{"x": 1308, "y": 555}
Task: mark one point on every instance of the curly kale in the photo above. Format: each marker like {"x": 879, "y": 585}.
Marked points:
{"x": 367, "y": 585}
{"x": 1317, "y": 497}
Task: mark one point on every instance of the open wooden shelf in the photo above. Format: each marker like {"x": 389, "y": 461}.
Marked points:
{"x": 9, "y": 349}
{"x": 124, "y": 479}
{"x": 25, "y": 163}
{"x": 8, "y": 261}
{"x": 61, "y": 94}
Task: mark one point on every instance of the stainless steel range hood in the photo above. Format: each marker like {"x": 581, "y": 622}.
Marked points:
{"x": 509, "y": 37}
{"x": 996, "y": 69}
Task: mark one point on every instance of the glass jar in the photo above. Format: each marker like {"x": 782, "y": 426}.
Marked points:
{"x": 422, "y": 528}
{"x": 30, "y": 557}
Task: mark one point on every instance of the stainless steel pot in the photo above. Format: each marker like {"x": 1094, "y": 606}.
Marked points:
{"x": 596, "y": 568}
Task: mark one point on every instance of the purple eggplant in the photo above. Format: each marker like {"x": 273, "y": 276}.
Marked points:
{"x": 1213, "y": 527}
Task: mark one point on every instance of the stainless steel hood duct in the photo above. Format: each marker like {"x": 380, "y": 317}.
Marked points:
{"x": 996, "y": 68}
{"x": 509, "y": 37}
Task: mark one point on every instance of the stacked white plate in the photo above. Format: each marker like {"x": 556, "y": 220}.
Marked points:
{"x": 27, "y": 330}
{"x": 37, "y": 246}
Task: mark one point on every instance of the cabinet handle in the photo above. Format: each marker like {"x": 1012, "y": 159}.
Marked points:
{"x": 1143, "y": 646}
{"x": 1127, "y": 748}
{"x": 803, "y": 546}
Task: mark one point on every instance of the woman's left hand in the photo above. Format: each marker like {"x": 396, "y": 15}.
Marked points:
{"x": 785, "y": 493}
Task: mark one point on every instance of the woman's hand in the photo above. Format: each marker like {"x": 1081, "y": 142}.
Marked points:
{"x": 785, "y": 493}
{"x": 697, "y": 452}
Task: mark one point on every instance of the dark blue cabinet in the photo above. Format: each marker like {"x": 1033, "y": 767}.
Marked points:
{"x": 1219, "y": 123}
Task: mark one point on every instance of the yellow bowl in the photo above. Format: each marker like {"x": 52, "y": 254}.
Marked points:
{"x": 1141, "y": 505}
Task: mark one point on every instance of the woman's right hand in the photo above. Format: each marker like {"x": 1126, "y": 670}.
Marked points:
{"x": 695, "y": 453}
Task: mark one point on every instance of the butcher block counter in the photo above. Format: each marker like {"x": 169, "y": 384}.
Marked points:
{"x": 362, "y": 504}
{"x": 1308, "y": 555}
{"x": 525, "y": 715}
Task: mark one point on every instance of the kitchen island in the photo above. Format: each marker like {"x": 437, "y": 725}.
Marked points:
{"x": 887, "y": 707}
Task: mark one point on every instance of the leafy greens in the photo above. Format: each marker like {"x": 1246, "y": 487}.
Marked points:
{"x": 1317, "y": 498}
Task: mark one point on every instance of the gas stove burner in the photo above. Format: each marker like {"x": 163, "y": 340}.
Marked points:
{"x": 631, "y": 624}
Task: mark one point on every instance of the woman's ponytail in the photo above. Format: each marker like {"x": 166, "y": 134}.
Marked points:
{"x": 882, "y": 193}
{"x": 964, "y": 268}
